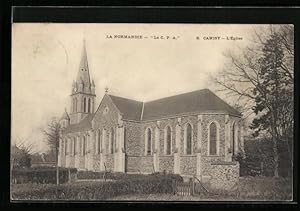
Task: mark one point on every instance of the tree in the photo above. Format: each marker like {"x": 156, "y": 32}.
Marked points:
{"x": 21, "y": 153}
{"x": 52, "y": 133}
{"x": 261, "y": 79}
{"x": 273, "y": 95}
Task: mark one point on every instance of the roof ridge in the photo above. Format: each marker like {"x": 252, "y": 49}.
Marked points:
{"x": 142, "y": 113}
{"x": 126, "y": 98}
{"x": 179, "y": 95}
{"x": 231, "y": 107}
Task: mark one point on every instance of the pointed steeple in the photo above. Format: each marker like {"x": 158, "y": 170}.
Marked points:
{"x": 83, "y": 72}
{"x": 83, "y": 92}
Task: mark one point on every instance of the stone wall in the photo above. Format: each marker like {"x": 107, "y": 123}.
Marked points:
{"x": 206, "y": 163}
{"x": 109, "y": 162}
{"x": 133, "y": 164}
{"x": 166, "y": 163}
{"x": 133, "y": 139}
{"x": 224, "y": 175}
{"x": 96, "y": 164}
{"x": 146, "y": 164}
{"x": 188, "y": 165}
{"x": 63, "y": 160}
{"x": 72, "y": 161}
{"x": 106, "y": 115}
{"x": 82, "y": 162}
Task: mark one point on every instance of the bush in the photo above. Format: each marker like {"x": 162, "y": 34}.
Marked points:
{"x": 124, "y": 176}
{"x": 94, "y": 190}
{"x": 265, "y": 188}
{"x": 42, "y": 175}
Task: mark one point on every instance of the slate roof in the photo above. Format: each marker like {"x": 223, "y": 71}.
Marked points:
{"x": 192, "y": 102}
{"x": 131, "y": 109}
{"x": 83, "y": 125}
{"x": 202, "y": 100}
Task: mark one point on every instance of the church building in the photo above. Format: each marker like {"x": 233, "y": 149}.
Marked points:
{"x": 191, "y": 134}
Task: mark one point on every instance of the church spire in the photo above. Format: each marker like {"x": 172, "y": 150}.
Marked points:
{"x": 83, "y": 91}
{"x": 83, "y": 75}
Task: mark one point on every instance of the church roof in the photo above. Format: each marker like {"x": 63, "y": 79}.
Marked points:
{"x": 202, "y": 100}
{"x": 83, "y": 125}
{"x": 192, "y": 102}
{"x": 65, "y": 116}
{"x": 130, "y": 109}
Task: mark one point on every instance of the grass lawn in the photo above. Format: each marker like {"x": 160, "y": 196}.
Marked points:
{"x": 248, "y": 189}
{"x": 168, "y": 197}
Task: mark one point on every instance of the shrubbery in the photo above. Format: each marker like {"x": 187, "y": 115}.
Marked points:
{"x": 124, "y": 176}
{"x": 265, "y": 188}
{"x": 41, "y": 175}
{"x": 95, "y": 190}
{"x": 259, "y": 159}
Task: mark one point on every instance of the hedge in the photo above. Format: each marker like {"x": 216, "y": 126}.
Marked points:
{"x": 42, "y": 175}
{"x": 93, "y": 190}
{"x": 124, "y": 176}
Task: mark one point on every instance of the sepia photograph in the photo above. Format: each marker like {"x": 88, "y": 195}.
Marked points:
{"x": 152, "y": 112}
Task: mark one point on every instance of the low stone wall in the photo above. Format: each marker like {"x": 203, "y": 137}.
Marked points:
{"x": 72, "y": 161}
{"x": 96, "y": 163}
{"x": 109, "y": 162}
{"x": 188, "y": 165}
{"x": 139, "y": 164}
{"x": 166, "y": 163}
{"x": 146, "y": 164}
{"x": 206, "y": 163}
{"x": 224, "y": 175}
{"x": 82, "y": 162}
{"x": 132, "y": 164}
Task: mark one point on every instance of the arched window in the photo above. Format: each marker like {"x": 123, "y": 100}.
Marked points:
{"x": 66, "y": 146}
{"x": 213, "y": 139}
{"x": 188, "y": 139}
{"x": 74, "y": 146}
{"x": 104, "y": 141}
{"x": 168, "y": 141}
{"x": 99, "y": 142}
{"x": 148, "y": 141}
{"x": 75, "y": 104}
{"x": 89, "y": 105}
{"x": 83, "y": 145}
{"x": 232, "y": 143}
{"x": 112, "y": 140}
{"x": 125, "y": 140}
{"x": 84, "y": 104}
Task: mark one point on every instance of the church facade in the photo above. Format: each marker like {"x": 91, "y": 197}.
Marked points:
{"x": 191, "y": 134}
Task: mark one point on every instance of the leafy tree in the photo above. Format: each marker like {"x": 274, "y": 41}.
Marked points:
{"x": 272, "y": 95}
{"x": 260, "y": 78}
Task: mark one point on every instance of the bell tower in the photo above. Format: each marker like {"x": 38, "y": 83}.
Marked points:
{"x": 83, "y": 91}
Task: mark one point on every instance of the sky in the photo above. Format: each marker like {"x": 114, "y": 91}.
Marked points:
{"x": 46, "y": 56}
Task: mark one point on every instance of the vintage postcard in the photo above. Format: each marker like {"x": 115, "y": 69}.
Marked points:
{"x": 152, "y": 112}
